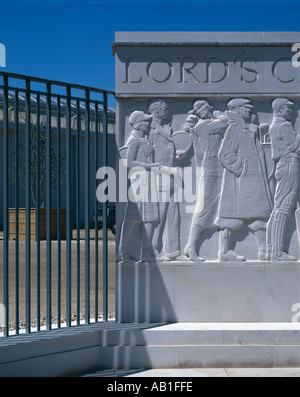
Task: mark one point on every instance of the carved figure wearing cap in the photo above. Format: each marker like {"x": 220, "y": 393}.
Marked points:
{"x": 207, "y": 133}
{"x": 245, "y": 194}
{"x": 140, "y": 212}
{"x": 285, "y": 144}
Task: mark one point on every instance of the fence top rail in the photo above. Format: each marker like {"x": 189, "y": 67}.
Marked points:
{"x": 54, "y": 101}
{"x": 55, "y": 82}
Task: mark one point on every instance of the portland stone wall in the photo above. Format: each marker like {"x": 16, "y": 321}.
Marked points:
{"x": 208, "y": 135}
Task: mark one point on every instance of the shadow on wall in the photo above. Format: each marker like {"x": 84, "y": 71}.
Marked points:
{"x": 145, "y": 293}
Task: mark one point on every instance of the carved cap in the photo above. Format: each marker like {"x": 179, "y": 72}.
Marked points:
{"x": 238, "y": 102}
{"x": 279, "y": 102}
{"x": 137, "y": 116}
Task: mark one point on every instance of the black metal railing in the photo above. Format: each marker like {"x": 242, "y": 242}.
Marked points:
{"x": 55, "y": 136}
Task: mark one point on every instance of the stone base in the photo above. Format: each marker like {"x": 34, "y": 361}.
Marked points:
{"x": 201, "y": 345}
{"x": 208, "y": 292}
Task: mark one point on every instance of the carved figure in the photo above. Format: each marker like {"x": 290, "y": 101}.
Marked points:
{"x": 245, "y": 195}
{"x": 166, "y": 155}
{"x": 207, "y": 132}
{"x": 144, "y": 212}
{"x": 285, "y": 144}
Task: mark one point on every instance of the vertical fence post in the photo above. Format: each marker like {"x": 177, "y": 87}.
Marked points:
{"x": 105, "y": 248}
{"x": 48, "y": 205}
{"x": 58, "y": 215}
{"x": 68, "y": 205}
{"x": 77, "y": 172}
{"x": 28, "y": 206}
{"x": 96, "y": 217}
{"x": 5, "y": 206}
{"x": 37, "y": 219}
{"x": 87, "y": 205}
{"x": 16, "y": 181}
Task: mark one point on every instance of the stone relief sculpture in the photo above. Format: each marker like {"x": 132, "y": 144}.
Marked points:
{"x": 207, "y": 132}
{"x": 142, "y": 213}
{"x": 166, "y": 155}
{"x": 235, "y": 189}
{"x": 245, "y": 195}
{"x": 285, "y": 144}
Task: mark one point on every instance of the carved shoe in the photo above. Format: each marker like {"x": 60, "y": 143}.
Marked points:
{"x": 147, "y": 256}
{"x": 284, "y": 257}
{"x": 125, "y": 257}
{"x": 230, "y": 256}
{"x": 192, "y": 255}
{"x": 180, "y": 258}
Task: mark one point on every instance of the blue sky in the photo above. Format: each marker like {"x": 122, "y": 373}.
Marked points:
{"x": 70, "y": 40}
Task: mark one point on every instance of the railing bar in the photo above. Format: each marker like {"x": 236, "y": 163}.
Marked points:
{"x": 87, "y": 206}
{"x": 38, "y": 241}
{"x": 5, "y": 209}
{"x": 96, "y": 219}
{"x": 105, "y": 244}
{"x": 48, "y": 206}
{"x": 16, "y": 181}
{"x": 54, "y": 82}
{"x": 28, "y": 208}
{"x": 58, "y": 192}
{"x": 77, "y": 171}
{"x": 53, "y": 95}
{"x": 68, "y": 206}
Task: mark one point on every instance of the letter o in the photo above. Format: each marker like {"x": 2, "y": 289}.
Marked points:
{"x": 158, "y": 79}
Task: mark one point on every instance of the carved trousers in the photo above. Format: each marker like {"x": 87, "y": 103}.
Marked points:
{"x": 167, "y": 232}
{"x": 287, "y": 177}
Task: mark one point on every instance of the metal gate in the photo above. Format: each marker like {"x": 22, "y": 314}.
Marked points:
{"x": 53, "y": 264}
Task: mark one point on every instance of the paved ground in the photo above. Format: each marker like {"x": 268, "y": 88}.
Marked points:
{"x": 63, "y": 280}
{"x": 201, "y": 372}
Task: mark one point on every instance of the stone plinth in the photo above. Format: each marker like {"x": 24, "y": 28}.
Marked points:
{"x": 208, "y": 292}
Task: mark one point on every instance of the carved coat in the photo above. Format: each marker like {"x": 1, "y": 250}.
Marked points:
{"x": 164, "y": 147}
{"x": 140, "y": 153}
{"x": 207, "y": 137}
{"x": 245, "y": 190}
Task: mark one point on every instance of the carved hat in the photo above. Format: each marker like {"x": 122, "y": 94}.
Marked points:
{"x": 137, "y": 116}
{"x": 279, "y": 102}
{"x": 238, "y": 102}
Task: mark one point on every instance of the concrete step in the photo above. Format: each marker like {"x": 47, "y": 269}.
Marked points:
{"x": 192, "y": 345}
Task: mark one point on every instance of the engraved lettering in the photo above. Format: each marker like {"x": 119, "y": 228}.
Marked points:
{"x": 157, "y": 73}
{"x": 127, "y": 72}
{"x": 275, "y": 70}
{"x": 187, "y": 69}
{"x": 209, "y": 78}
{"x": 250, "y": 70}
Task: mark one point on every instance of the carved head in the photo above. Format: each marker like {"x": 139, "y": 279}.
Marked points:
{"x": 159, "y": 108}
{"x": 282, "y": 107}
{"x": 241, "y": 106}
{"x": 202, "y": 109}
{"x": 140, "y": 121}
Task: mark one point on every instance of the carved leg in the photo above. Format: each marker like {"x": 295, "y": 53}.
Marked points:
{"x": 277, "y": 236}
{"x": 225, "y": 254}
{"x": 159, "y": 227}
{"x": 260, "y": 236}
{"x": 190, "y": 248}
{"x": 127, "y": 229}
{"x": 147, "y": 254}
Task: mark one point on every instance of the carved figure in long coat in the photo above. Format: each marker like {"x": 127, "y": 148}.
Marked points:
{"x": 207, "y": 134}
{"x": 245, "y": 192}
